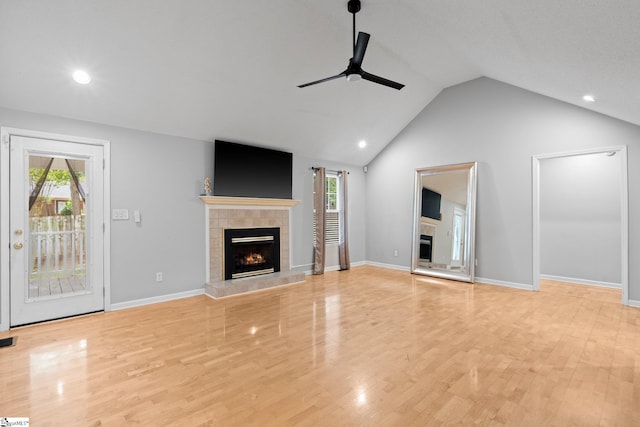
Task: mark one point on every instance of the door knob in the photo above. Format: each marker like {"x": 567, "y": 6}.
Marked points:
{"x": 18, "y": 245}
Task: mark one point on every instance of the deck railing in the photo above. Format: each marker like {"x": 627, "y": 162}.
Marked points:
{"x": 57, "y": 244}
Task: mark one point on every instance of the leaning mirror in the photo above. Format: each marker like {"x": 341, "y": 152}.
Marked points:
{"x": 445, "y": 222}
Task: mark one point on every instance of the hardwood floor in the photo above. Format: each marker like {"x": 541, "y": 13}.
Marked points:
{"x": 368, "y": 347}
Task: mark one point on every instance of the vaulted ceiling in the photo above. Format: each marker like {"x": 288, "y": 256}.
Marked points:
{"x": 208, "y": 69}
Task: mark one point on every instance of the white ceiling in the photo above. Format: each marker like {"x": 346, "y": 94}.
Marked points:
{"x": 208, "y": 69}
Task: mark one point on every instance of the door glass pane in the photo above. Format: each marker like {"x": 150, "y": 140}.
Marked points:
{"x": 57, "y": 227}
{"x": 457, "y": 238}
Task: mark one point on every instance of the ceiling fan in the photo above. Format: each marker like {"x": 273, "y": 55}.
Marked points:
{"x": 354, "y": 70}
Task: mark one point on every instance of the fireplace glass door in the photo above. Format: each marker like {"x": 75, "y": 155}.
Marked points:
{"x": 250, "y": 252}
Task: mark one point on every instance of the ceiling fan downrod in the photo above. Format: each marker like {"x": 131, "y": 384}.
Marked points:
{"x": 354, "y": 7}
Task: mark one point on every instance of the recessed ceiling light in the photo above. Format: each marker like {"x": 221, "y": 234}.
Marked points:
{"x": 588, "y": 98}
{"x": 81, "y": 77}
{"x": 362, "y": 144}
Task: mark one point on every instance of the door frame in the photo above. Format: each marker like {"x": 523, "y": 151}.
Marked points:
{"x": 5, "y": 134}
{"x": 624, "y": 212}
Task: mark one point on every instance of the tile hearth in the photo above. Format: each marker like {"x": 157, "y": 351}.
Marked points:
{"x": 227, "y": 288}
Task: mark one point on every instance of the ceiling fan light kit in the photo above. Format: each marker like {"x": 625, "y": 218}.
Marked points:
{"x": 354, "y": 71}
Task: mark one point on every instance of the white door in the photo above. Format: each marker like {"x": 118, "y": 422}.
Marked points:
{"x": 56, "y": 225}
{"x": 457, "y": 246}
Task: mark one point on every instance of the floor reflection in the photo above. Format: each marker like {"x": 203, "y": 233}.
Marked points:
{"x": 365, "y": 347}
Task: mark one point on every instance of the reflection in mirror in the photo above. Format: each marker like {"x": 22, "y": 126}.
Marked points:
{"x": 445, "y": 221}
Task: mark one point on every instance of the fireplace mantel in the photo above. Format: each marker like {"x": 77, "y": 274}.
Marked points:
{"x": 247, "y": 201}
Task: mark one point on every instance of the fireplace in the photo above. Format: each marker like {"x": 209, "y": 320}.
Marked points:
{"x": 245, "y": 213}
{"x": 426, "y": 248}
{"x": 251, "y": 252}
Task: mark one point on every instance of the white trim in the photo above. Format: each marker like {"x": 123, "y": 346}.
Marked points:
{"x": 307, "y": 268}
{"x": 581, "y": 281}
{"x": 290, "y": 240}
{"x": 207, "y": 244}
{"x": 107, "y": 224}
{"x": 52, "y": 136}
{"x": 634, "y": 303}
{"x": 252, "y": 202}
{"x": 390, "y": 266}
{"x": 535, "y": 216}
{"x": 513, "y": 285}
{"x": 155, "y": 300}
{"x": 337, "y": 266}
{"x": 4, "y": 230}
{"x": 358, "y": 264}
{"x": 624, "y": 212}
{"x": 5, "y": 133}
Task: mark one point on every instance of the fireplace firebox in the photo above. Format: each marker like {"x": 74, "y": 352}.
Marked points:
{"x": 251, "y": 251}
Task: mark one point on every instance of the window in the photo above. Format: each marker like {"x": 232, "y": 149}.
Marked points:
{"x": 332, "y": 216}
{"x": 61, "y": 204}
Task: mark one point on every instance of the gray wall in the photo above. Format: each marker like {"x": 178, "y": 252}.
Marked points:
{"x": 580, "y": 217}
{"x": 501, "y": 127}
{"x": 161, "y": 176}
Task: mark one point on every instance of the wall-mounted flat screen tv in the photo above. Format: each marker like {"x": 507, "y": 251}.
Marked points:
{"x": 247, "y": 171}
{"x": 431, "y": 204}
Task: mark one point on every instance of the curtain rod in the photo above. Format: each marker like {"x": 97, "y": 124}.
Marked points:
{"x": 315, "y": 168}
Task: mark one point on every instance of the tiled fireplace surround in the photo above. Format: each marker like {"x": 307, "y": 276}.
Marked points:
{"x": 241, "y": 212}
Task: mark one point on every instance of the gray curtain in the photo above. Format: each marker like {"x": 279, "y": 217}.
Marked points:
{"x": 320, "y": 206}
{"x": 343, "y": 246}
{"x": 33, "y": 197}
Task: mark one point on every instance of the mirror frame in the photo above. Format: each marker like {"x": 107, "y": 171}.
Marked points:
{"x": 470, "y": 222}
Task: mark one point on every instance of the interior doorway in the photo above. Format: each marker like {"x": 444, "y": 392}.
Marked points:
{"x": 580, "y": 218}
{"x": 53, "y": 220}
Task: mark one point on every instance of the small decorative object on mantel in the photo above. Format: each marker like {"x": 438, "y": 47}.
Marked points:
{"x": 207, "y": 186}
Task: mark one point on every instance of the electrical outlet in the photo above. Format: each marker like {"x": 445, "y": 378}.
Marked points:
{"x": 395, "y": 252}
{"x": 159, "y": 276}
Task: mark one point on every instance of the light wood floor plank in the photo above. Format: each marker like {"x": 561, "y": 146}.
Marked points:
{"x": 367, "y": 347}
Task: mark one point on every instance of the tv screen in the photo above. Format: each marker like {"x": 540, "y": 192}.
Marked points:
{"x": 431, "y": 204}
{"x": 248, "y": 171}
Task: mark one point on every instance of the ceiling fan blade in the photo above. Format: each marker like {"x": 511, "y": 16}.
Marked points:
{"x": 381, "y": 80}
{"x": 360, "y": 48}
{"x": 343, "y": 74}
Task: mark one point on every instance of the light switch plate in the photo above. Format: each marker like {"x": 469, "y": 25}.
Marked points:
{"x": 120, "y": 214}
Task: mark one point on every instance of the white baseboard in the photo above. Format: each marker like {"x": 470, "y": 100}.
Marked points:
{"x": 307, "y": 268}
{"x": 391, "y": 266}
{"x": 581, "y": 281}
{"x": 502, "y": 283}
{"x": 302, "y": 267}
{"x": 634, "y": 303}
{"x": 154, "y": 300}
